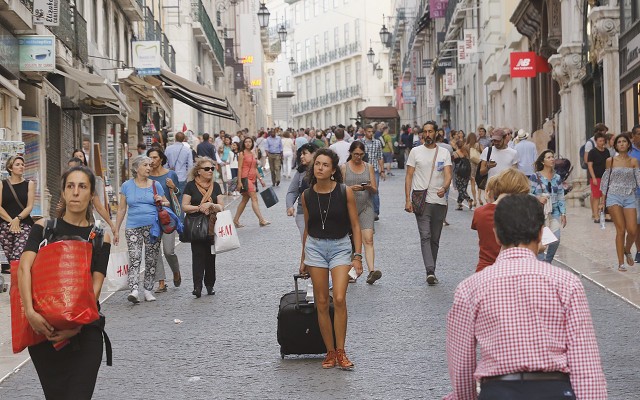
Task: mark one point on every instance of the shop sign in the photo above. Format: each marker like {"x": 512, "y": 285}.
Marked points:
{"x": 426, "y": 63}
{"x": 450, "y": 81}
{"x": 463, "y": 57}
{"x": 46, "y": 12}
{"x": 421, "y": 81}
{"x": 9, "y": 53}
{"x": 633, "y": 52}
{"x": 229, "y": 56}
{"x": 470, "y": 41}
{"x": 37, "y": 53}
{"x": 146, "y": 57}
{"x": 437, "y": 8}
{"x": 431, "y": 91}
{"x": 527, "y": 64}
{"x": 408, "y": 95}
{"x": 445, "y": 63}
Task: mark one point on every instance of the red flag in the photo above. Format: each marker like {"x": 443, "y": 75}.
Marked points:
{"x": 184, "y": 127}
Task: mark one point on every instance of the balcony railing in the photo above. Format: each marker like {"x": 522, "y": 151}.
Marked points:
{"x": 328, "y": 57}
{"x": 451, "y": 6}
{"x": 28, "y": 4}
{"x": 82, "y": 48}
{"x": 200, "y": 15}
{"x": 65, "y": 31}
{"x": 327, "y": 99}
{"x": 153, "y": 31}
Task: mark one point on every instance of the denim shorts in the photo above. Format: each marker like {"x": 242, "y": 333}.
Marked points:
{"x": 638, "y": 208}
{"x": 327, "y": 253}
{"x": 624, "y": 201}
{"x": 388, "y": 157}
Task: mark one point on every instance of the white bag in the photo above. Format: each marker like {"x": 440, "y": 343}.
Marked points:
{"x": 117, "y": 272}
{"x": 226, "y": 233}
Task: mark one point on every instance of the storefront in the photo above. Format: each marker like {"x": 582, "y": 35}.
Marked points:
{"x": 630, "y": 80}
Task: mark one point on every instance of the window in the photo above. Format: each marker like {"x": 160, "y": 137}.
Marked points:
{"x": 318, "y": 84}
{"x": 105, "y": 29}
{"x": 307, "y": 10}
{"x": 356, "y": 27}
{"x": 347, "y": 75}
{"x": 298, "y": 52}
{"x": 316, "y": 45}
{"x": 326, "y": 41}
{"x": 338, "y": 80}
{"x": 335, "y": 3}
{"x": 327, "y": 118}
{"x": 327, "y": 83}
{"x": 299, "y": 89}
{"x": 307, "y": 49}
{"x": 338, "y": 114}
{"x": 358, "y": 74}
{"x": 346, "y": 34}
{"x": 316, "y": 7}
{"x": 347, "y": 113}
{"x": 325, "y": 5}
{"x": 336, "y": 37}
{"x": 80, "y": 6}
{"x": 94, "y": 20}
{"x": 116, "y": 42}
{"x": 126, "y": 48}
{"x": 279, "y": 85}
{"x": 308, "y": 84}
{"x": 288, "y": 80}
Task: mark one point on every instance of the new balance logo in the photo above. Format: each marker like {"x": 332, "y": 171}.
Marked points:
{"x": 524, "y": 62}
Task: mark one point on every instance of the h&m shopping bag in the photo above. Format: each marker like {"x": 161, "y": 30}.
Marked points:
{"x": 226, "y": 233}
{"x": 117, "y": 272}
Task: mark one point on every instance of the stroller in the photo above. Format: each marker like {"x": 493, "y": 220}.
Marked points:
{"x": 563, "y": 168}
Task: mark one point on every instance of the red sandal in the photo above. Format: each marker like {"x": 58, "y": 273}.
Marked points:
{"x": 343, "y": 361}
{"x": 329, "y": 360}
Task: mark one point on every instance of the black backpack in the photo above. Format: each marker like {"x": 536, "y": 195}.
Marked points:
{"x": 582, "y": 150}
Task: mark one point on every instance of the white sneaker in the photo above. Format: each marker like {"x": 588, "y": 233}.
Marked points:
{"x": 133, "y": 297}
{"x": 148, "y": 296}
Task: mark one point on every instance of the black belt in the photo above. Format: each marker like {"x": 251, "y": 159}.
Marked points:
{"x": 529, "y": 376}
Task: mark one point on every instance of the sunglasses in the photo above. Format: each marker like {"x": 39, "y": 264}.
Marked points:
{"x": 207, "y": 168}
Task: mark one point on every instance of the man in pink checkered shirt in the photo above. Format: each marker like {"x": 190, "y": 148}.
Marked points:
{"x": 530, "y": 320}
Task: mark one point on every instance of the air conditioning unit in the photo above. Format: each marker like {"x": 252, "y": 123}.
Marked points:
{"x": 3, "y": 133}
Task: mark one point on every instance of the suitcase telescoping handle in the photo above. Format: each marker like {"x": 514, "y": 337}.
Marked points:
{"x": 295, "y": 281}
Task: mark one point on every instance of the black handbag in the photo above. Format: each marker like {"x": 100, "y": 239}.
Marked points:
{"x": 481, "y": 180}
{"x": 245, "y": 185}
{"x": 196, "y": 228}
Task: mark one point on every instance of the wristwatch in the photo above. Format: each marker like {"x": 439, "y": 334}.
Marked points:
{"x": 19, "y": 217}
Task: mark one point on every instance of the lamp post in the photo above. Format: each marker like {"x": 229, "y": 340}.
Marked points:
{"x": 282, "y": 33}
{"x": 370, "y": 55}
{"x": 292, "y": 65}
{"x": 385, "y": 35}
{"x": 379, "y": 72}
{"x": 263, "y": 16}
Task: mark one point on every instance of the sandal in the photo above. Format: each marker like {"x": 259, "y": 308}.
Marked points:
{"x": 265, "y": 223}
{"x": 630, "y": 259}
{"x": 238, "y": 224}
{"x": 343, "y": 361}
{"x": 622, "y": 268}
{"x": 459, "y": 208}
{"x": 330, "y": 360}
{"x": 161, "y": 289}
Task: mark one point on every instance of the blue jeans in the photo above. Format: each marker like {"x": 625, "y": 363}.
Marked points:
{"x": 556, "y": 227}
{"x": 376, "y": 197}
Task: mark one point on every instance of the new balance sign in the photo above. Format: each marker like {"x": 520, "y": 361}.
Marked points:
{"x": 527, "y": 64}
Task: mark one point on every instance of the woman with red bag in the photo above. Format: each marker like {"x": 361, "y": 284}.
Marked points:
{"x": 70, "y": 369}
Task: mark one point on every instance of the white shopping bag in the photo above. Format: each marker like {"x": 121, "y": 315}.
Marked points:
{"x": 226, "y": 233}
{"x": 117, "y": 272}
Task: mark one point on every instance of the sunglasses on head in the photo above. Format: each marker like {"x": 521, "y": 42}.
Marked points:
{"x": 207, "y": 168}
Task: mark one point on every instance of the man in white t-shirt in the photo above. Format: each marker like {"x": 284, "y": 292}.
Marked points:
{"x": 340, "y": 147}
{"x": 527, "y": 153}
{"x": 428, "y": 168}
{"x": 501, "y": 158}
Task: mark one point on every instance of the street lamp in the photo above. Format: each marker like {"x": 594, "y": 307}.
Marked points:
{"x": 263, "y": 16}
{"x": 370, "y": 55}
{"x": 379, "y": 72}
{"x": 292, "y": 64}
{"x": 282, "y": 33}
{"x": 385, "y": 35}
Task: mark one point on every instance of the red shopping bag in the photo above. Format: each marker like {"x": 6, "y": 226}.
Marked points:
{"x": 22, "y": 336}
{"x": 61, "y": 287}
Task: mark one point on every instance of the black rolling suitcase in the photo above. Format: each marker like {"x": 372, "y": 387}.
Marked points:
{"x": 298, "y": 330}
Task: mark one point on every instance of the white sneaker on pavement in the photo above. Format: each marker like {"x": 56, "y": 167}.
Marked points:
{"x": 133, "y": 297}
{"x": 148, "y": 296}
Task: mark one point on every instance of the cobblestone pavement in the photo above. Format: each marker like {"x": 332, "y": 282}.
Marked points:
{"x": 226, "y": 346}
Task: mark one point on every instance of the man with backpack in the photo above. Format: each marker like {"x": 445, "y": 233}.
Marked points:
{"x": 590, "y": 144}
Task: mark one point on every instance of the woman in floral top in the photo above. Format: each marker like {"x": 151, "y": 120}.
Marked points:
{"x": 546, "y": 185}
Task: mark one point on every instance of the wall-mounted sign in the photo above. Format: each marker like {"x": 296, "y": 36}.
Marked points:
{"x": 633, "y": 53}
{"x": 437, "y": 8}
{"x": 408, "y": 95}
{"x": 37, "y": 53}
{"x": 246, "y": 60}
{"x": 146, "y": 57}
{"x": 426, "y": 63}
{"x": 450, "y": 82}
{"x": 463, "y": 57}
{"x": 238, "y": 76}
{"x": 527, "y": 64}
{"x": 470, "y": 41}
{"x": 256, "y": 83}
{"x": 46, "y": 12}
{"x": 421, "y": 81}
{"x": 445, "y": 63}
{"x": 229, "y": 55}
{"x": 431, "y": 91}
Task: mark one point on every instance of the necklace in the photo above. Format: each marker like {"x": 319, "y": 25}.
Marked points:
{"x": 326, "y": 212}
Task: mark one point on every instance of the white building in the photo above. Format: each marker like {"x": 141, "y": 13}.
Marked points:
{"x": 328, "y": 41}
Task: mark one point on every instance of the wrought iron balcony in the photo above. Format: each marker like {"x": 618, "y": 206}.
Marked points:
{"x": 451, "y": 6}
{"x": 82, "y": 48}
{"x": 153, "y": 32}
{"x": 327, "y": 100}
{"x": 328, "y": 57}
{"x": 206, "y": 33}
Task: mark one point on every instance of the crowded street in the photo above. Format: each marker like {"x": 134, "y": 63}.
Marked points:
{"x": 225, "y": 346}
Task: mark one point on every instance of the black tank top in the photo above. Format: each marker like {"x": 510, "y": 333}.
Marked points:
{"x": 9, "y": 202}
{"x": 337, "y": 223}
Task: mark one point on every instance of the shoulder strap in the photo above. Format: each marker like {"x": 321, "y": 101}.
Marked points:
{"x": 343, "y": 190}
{"x": 489, "y": 152}
{"x": 306, "y": 195}
{"x": 433, "y": 166}
{"x": 15, "y": 196}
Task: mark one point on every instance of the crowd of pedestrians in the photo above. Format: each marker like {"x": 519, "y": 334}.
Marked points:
{"x": 334, "y": 196}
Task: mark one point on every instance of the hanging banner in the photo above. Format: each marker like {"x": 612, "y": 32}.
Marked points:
{"x": 450, "y": 81}
{"x": 431, "y": 91}
{"x": 46, "y": 12}
{"x": 146, "y": 57}
{"x": 463, "y": 57}
{"x": 408, "y": 95}
{"x": 470, "y": 41}
{"x": 229, "y": 56}
{"x": 37, "y": 53}
{"x": 527, "y": 64}
{"x": 238, "y": 76}
{"x": 437, "y": 8}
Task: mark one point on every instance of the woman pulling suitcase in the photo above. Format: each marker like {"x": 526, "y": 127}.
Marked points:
{"x": 330, "y": 214}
